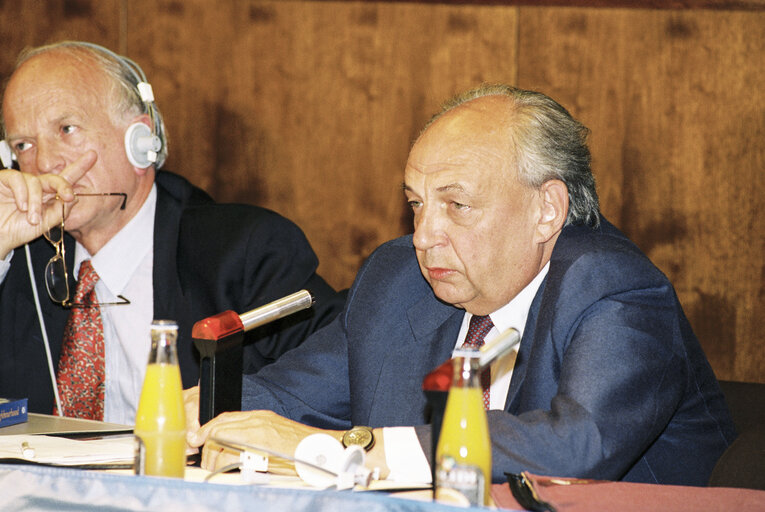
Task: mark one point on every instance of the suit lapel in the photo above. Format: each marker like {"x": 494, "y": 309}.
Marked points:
{"x": 430, "y": 316}
{"x": 435, "y": 327}
{"x": 407, "y": 359}
{"x": 525, "y": 350}
{"x": 165, "y": 277}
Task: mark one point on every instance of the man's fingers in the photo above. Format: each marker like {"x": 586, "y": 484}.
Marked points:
{"x": 32, "y": 202}
{"x": 199, "y": 437}
{"x": 210, "y": 454}
{"x": 191, "y": 406}
{"x": 215, "y": 456}
{"x": 31, "y": 193}
{"x": 76, "y": 170}
{"x": 216, "y": 424}
{"x": 13, "y": 189}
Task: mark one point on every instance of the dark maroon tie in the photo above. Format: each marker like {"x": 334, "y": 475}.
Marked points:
{"x": 479, "y": 328}
{"x": 81, "y": 365}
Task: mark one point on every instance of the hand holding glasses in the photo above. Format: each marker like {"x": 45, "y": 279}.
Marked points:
{"x": 56, "y": 275}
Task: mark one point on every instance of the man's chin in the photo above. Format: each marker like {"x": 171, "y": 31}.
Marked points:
{"x": 446, "y": 293}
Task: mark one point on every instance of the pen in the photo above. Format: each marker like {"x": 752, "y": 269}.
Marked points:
{"x": 27, "y": 451}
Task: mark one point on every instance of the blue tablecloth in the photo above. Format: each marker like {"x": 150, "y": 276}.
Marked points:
{"x": 38, "y": 488}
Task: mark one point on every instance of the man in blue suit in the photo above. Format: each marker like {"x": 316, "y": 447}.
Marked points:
{"x": 609, "y": 381}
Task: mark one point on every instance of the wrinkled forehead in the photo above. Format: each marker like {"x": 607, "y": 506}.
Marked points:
{"x": 485, "y": 116}
{"x": 475, "y": 135}
{"x": 59, "y": 77}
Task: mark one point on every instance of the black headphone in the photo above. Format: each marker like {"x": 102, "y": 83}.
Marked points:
{"x": 144, "y": 145}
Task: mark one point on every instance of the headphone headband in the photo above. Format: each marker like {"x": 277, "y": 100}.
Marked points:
{"x": 143, "y": 147}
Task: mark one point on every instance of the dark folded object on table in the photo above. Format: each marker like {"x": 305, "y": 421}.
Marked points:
{"x": 524, "y": 493}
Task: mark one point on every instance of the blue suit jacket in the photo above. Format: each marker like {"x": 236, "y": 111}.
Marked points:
{"x": 609, "y": 382}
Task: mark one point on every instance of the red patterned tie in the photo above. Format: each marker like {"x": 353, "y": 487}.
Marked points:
{"x": 81, "y": 365}
{"x": 479, "y": 328}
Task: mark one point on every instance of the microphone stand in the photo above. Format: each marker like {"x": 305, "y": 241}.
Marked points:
{"x": 219, "y": 341}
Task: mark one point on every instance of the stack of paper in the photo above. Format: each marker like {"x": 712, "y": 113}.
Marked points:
{"x": 69, "y": 452}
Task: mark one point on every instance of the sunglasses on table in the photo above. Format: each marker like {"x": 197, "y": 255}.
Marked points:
{"x": 56, "y": 274}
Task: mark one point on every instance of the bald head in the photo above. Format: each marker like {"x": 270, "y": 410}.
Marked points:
{"x": 545, "y": 142}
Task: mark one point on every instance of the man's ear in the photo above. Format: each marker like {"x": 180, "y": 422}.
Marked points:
{"x": 553, "y": 195}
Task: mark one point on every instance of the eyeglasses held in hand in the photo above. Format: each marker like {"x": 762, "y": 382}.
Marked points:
{"x": 56, "y": 275}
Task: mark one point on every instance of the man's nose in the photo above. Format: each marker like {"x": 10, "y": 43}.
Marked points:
{"x": 428, "y": 229}
{"x": 49, "y": 158}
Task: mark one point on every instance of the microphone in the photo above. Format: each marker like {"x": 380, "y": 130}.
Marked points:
{"x": 219, "y": 341}
{"x": 224, "y": 324}
{"x": 277, "y": 309}
{"x": 440, "y": 379}
{"x": 498, "y": 347}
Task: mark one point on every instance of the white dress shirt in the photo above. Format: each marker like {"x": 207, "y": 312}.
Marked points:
{"x": 124, "y": 267}
{"x": 403, "y": 452}
{"x": 5, "y": 265}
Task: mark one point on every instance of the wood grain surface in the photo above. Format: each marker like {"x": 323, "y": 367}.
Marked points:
{"x": 308, "y": 108}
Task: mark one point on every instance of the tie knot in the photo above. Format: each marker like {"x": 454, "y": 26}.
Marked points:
{"x": 477, "y": 331}
{"x": 86, "y": 280}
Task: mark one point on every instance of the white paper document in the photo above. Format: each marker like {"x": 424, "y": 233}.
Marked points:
{"x": 63, "y": 451}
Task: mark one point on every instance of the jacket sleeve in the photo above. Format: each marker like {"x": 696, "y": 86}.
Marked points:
{"x": 308, "y": 384}
{"x": 609, "y": 387}
{"x": 240, "y": 257}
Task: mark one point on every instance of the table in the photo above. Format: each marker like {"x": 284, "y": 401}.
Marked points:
{"x": 579, "y": 495}
{"x": 53, "y": 489}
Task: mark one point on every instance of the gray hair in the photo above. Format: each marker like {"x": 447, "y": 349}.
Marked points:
{"x": 124, "y": 76}
{"x": 549, "y": 144}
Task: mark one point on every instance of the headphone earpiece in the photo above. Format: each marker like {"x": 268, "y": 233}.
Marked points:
{"x": 6, "y": 155}
{"x": 141, "y": 145}
{"x": 141, "y": 142}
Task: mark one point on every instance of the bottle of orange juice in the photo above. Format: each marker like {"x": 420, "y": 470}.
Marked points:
{"x": 161, "y": 421}
{"x": 463, "y": 453}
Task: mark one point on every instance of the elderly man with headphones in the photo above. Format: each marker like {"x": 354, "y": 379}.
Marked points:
{"x": 88, "y": 140}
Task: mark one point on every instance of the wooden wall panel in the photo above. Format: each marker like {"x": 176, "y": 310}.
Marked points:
{"x": 32, "y": 23}
{"x": 309, "y": 108}
{"x": 677, "y": 112}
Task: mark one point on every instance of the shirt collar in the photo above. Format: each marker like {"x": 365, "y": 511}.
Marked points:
{"x": 514, "y": 313}
{"x": 116, "y": 262}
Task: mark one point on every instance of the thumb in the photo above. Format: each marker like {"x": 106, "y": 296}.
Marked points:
{"x": 197, "y": 437}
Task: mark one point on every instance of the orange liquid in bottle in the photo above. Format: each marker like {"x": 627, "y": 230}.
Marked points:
{"x": 161, "y": 421}
{"x": 463, "y": 453}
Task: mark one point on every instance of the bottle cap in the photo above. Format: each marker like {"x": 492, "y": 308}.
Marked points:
{"x": 468, "y": 353}
{"x": 164, "y": 325}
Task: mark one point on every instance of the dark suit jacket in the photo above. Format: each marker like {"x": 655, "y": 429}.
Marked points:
{"x": 208, "y": 258}
{"x": 609, "y": 382}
